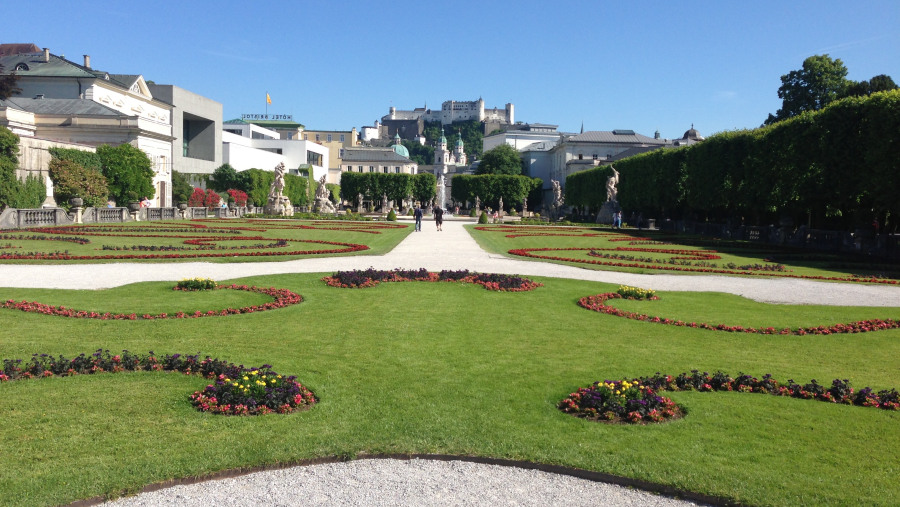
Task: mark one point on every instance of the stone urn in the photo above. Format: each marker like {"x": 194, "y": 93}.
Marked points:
{"x": 76, "y": 202}
{"x": 182, "y": 206}
{"x": 134, "y": 206}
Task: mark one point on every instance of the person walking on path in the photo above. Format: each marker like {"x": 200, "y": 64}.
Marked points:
{"x": 438, "y": 216}
{"x": 418, "y": 215}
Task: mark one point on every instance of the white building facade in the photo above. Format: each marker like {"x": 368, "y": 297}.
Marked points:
{"x": 248, "y": 146}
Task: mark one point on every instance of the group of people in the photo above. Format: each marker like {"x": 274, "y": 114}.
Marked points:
{"x": 438, "y": 213}
{"x": 617, "y": 220}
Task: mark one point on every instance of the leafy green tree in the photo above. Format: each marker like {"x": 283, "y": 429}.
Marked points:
{"x": 86, "y": 159}
{"x": 503, "y": 159}
{"x": 819, "y": 82}
{"x": 879, "y": 83}
{"x": 181, "y": 187}
{"x": 72, "y": 180}
{"x": 424, "y": 187}
{"x": 9, "y": 160}
{"x": 226, "y": 177}
{"x": 418, "y": 153}
{"x": 8, "y": 86}
{"x": 128, "y": 171}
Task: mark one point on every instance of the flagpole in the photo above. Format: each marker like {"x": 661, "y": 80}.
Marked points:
{"x": 267, "y": 103}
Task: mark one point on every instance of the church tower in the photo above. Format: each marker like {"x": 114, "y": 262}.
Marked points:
{"x": 460, "y": 153}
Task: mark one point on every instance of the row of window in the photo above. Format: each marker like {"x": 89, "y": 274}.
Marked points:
{"x": 608, "y": 156}
{"x": 329, "y": 137}
{"x": 372, "y": 168}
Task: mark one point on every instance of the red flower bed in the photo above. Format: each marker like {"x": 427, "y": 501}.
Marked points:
{"x": 359, "y": 279}
{"x": 597, "y": 303}
{"x": 236, "y": 390}
{"x": 282, "y": 298}
{"x": 636, "y": 400}
{"x": 529, "y": 252}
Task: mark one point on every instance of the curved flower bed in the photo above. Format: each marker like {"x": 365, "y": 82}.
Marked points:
{"x": 629, "y": 401}
{"x": 372, "y": 277}
{"x": 199, "y": 239}
{"x": 597, "y": 303}
{"x": 236, "y": 391}
{"x": 530, "y": 252}
{"x": 282, "y": 298}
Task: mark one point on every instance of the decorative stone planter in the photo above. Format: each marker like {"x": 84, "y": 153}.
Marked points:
{"x": 134, "y": 206}
{"x": 182, "y": 206}
{"x": 76, "y": 202}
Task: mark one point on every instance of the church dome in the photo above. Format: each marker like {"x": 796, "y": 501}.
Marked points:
{"x": 692, "y": 134}
{"x": 398, "y": 148}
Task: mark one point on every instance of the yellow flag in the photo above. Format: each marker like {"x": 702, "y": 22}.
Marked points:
{"x": 268, "y": 99}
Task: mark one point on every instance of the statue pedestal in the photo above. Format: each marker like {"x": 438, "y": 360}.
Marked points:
{"x": 280, "y": 206}
{"x": 605, "y": 215}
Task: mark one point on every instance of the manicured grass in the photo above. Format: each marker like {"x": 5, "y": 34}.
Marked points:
{"x": 651, "y": 245}
{"x": 451, "y": 368}
{"x": 227, "y": 240}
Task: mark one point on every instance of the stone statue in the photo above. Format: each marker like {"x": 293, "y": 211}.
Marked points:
{"x": 323, "y": 203}
{"x": 557, "y": 194}
{"x": 501, "y": 206}
{"x": 359, "y": 199}
{"x": 477, "y": 204}
{"x": 611, "y": 182}
{"x": 525, "y": 208}
{"x": 384, "y": 203}
{"x": 276, "y": 191}
{"x": 278, "y": 204}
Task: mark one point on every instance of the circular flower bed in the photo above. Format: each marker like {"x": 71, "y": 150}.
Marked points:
{"x": 597, "y": 303}
{"x": 372, "y": 277}
{"x": 636, "y": 401}
{"x": 236, "y": 391}
{"x": 282, "y": 298}
{"x": 627, "y": 401}
{"x": 199, "y": 238}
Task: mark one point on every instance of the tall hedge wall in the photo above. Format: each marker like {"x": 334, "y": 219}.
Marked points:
{"x": 834, "y": 168}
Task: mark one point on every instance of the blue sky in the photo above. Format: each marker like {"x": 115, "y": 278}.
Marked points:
{"x": 646, "y": 66}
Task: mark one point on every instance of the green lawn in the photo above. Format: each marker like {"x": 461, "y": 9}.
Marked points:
{"x": 648, "y": 248}
{"x": 454, "y": 369}
{"x": 224, "y": 240}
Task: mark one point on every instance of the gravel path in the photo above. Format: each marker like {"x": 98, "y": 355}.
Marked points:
{"x": 388, "y": 482}
{"x": 424, "y": 482}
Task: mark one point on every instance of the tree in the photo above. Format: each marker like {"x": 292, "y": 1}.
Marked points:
{"x": 128, "y": 172}
{"x": 181, "y": 187}
{"x": 820, "y": 81}
{"x": 72, "y": 180}
{"x": 879, "y": 83}
{"x": 424, "y": 187}
{"x": 503, "y": 159}
{"x": 8, "y": 86}
{"x": 225, "y": 177}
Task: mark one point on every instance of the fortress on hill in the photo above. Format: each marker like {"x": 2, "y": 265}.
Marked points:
{"x": 410, "y": 123}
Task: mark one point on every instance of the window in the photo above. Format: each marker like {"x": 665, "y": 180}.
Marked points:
{"x": 371, "y": 169}
{"x": 397, "y": 170}
{"x": 580, "y": 156}
{"x": 329, "y": 138}
{"x": 342, "y": 137}
{"x": 342, "y": 153}
{"x": 595, "y": 156}
{"x": 313, "y": 158}
{"x": 360, "y": 168}
{"x": 385, "y": 170}
{"x": 306, "y": 137}
{"x": 317, "y": 137}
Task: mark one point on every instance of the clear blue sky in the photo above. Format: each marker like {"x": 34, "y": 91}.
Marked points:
{"x": 609, "y": 64}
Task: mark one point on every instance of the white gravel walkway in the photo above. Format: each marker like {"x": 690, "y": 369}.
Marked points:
{"x": 424, "y": 482}
{"x": 389, "y": 482}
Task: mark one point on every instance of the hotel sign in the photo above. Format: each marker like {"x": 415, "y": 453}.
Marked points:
{"x": 284, "y": 117}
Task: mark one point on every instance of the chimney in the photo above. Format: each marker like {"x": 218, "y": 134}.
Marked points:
{"x": 87, "y": 61}
{"x": 46, "y": 55}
